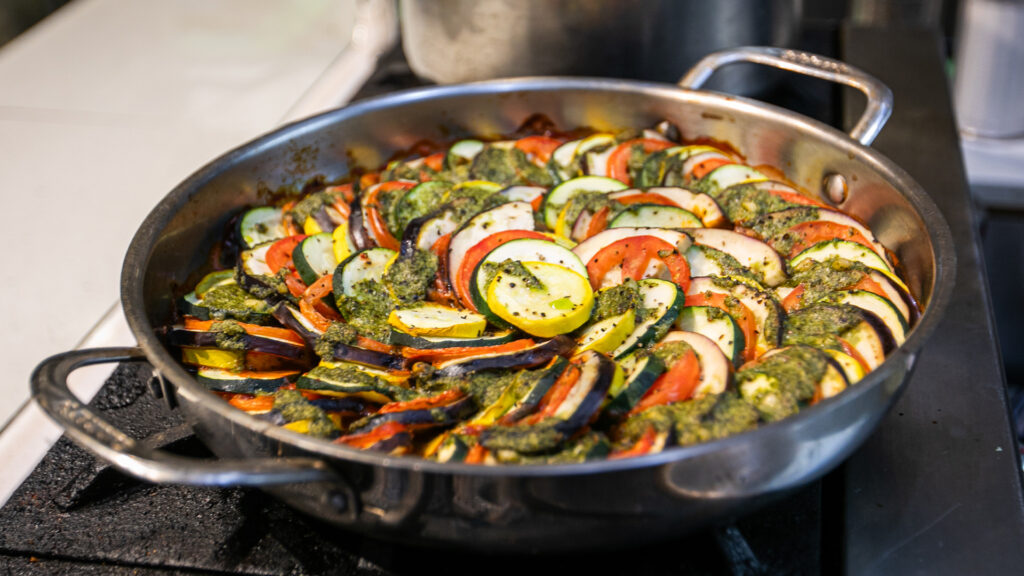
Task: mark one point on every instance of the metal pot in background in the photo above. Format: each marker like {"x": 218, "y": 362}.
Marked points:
{"x": 451, "y": 41}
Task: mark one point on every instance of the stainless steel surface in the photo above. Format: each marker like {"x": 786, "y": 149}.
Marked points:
{"x": 879, "y": 105}
{"x": 990, "y": 69}
{"x": 555, "y": 507}
{"x": 50, "y": 390}
{"x": 451, "y": 41}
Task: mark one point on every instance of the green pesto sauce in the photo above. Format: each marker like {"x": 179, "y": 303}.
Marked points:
{"x": 820, "y": 325}
{"x": 367, "y": 309}
{"x": 590, "y": 202}
{"x": 495, "y": 165}
{"x": 514, "y": 269}
{"x": 294, "y": 407}
{"x": 428, "y": 196}
{"x": 409, "y": 170}
{"x": 309, "y": 205}
{"x": 618, "y": 300}
{"x": 654, "y": 169}
{"x": 670, "y": 352}
{"x": 820, "y": 279}
{"x": 774, "y": 228}
{"x": 792, "y": 374}
{"x": 541, "y": 437}
{"x": 486, "y": 386}
{"x": 589, "y": 446}
{"x": 337, "y": 333}
{"x": 744, "y": 203}
{"x": 729, "y": 415}
{"x": 358, "y": 377}
{"x": 635, "y": 163}
{"x": 730, "y": 265}
{"x": 231, "y": 301}
{"x": 410, "y": 277}
{"x": 229, "y": 334}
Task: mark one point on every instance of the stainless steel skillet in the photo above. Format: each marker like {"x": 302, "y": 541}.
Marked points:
{"x": 526, "y": 508}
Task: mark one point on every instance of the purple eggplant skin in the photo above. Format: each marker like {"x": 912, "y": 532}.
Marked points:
{"x": 884, "y": 334}
{"x": 446, "y": 415}
{"x": 201, "y": 339}
{"x": 401, "y": 441}
{"x": 528, "y": 403}
{"x": 532, "y": 356}
{"x": 350, "y": 404}
{"x": 286, "y": 315}
{"x": 357, "y": 232}
{"x": 369, "y": 357}
{"x": 598, "y": 371}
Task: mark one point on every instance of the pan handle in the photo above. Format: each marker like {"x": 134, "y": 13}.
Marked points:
{"x": 88, "y": 429}
{"x": 879, "y": 96}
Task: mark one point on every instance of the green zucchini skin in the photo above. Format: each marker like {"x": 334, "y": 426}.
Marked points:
{"x": 241, "y": 383}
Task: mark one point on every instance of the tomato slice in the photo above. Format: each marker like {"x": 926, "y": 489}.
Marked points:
{"x": 254, "y": 329}
{"x": 739, "y": 312}
{"x": 633, "y": 255}
{"x": 598, "y": 222}
{"x": 642, "y": 446}
{"x": 810, "y": 233}
{"x": 250, "y": 403}
{"x": 476, "y": 455}
{"x": 851, "y": 351}
{"x": 869, "y": 285}
{"x": 441, "y": 354}
{"x": 435, "y": 162}
{"x": 372, "y": 213}
{"x": 557, "y": 394}
{"x": 645, "y": 198}
{"x": 318, "y": 313}
{"x": 673, "y": 386}
{"x": 794, "y": 198}
{"x": 464, "y": 275}
{"x": 618, "y": 160}
{"x": 295, "y": 284}
{"x": 792, "y": 300}
{"x": 279, "y": 255}
{"x": 368, "y": 439}
{"x": 702, "y": 169}
{"x": 345, "y": 191}
{"x": 538, "y": 148}
{"x": 442, "y": 399}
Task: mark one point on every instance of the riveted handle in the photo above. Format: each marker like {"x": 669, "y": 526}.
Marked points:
{"x": 878, "y": 94}
{"x": 87, "y": 428}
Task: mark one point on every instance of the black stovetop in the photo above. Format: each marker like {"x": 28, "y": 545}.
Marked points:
{"x": 935, "y": 490}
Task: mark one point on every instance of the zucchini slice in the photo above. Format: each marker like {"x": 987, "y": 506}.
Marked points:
{"x": 367, "y": 265}
{"x": 849, "y": 365}
{"x": 757, "y": 256}
{"x": 707, "y": 261}
{"x": 715, "y": 368}
{"x": 663, "y": 300}
{"x": 641, "y": 370}
{"x": 560, "y": 195}
{"x": 561, "y": 303}
{"x": 781, "y": 221}
{"x": 429, "y": 319}
{"x": 655, "y": 216}
{"x": 851, "y": 251}
{"x": 730, "y": 175}
{"x": 343, "y": 381}
{"x": 702, "y": 205}
{"x": 433, "y": 342}
{"x": 421, "y": 233}
{"x": 511, "y": 216}
{"x": 462, "y": 153}
{"x": 244, "y": 382}
{"x": 606, "y": 335}
{"x": 767, "y": 312}
{"x": 260, "y": 225}
{"x": 875, "y": 304}
{"x": 419, "y": 201}
{"x": 314, "y": 257}
{"x": 563, "y": 161}
{"x": 717, "y": 326}
{"x": 542, "y": 380}
{"x": 522, "y": 250}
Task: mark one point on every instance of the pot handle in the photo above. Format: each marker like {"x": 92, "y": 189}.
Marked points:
{"x": 88, "y": 429}
{"x": 879, "y": 96}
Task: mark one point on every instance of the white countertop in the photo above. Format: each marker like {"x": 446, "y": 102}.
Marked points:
{"x": 104, "y": 107}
